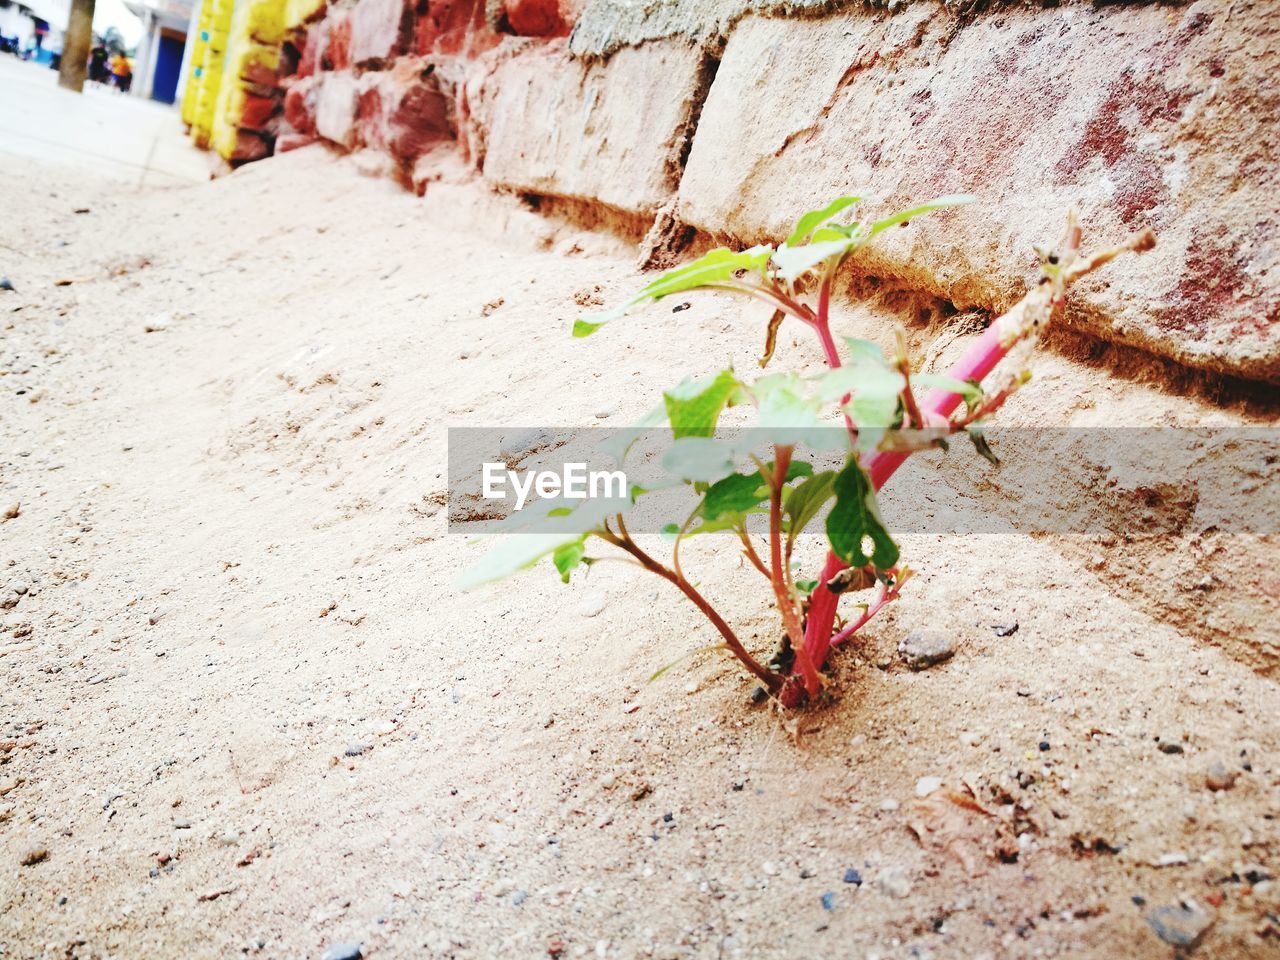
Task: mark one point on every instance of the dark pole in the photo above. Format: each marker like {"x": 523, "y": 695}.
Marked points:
{"x": 75, "y": 45}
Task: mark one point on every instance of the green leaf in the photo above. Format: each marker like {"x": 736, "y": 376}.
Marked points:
{"x": 785, "y": 413}
{"x": 873, "y": 412}
{"x": 726, "y": 521}
{"x": 856, "y": 518}
{"x": 862, "y": 378}
{"x": 739, "y": 492}
{"x": 715, "y": 267}
{"x": 567, "y": 556}
{"x": 804, "y": 502}
{"x": 806, "y": 587}
{"x": 864, "y": 350}
{"x": 902, "y": 216}
{"x": 513, "y": 554}
{"x": 794, "y": 262}
{"x": 695, "y": 405}
{"x": 816, "y": 218}
{"x": 698, "y": 459}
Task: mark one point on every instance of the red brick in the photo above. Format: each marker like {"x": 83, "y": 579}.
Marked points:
{"x": 536, "y": 18}
{"x": 335, "y": 51}
{"x": 403, "y": 111}
{"x": 257, "y": 111}
{"x": 309, "y": 62}
{"x": 300, "y": 105}
{"x": 454, "y": 27}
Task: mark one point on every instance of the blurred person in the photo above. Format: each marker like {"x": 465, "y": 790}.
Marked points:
{"x": 98, "y": 71}
{"x": 121, "y": 72}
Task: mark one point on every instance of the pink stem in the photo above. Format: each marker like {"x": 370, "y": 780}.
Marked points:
{"x": 979, "y": 361}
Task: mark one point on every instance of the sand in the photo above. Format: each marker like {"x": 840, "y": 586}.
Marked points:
{"x": 245, "y": 710}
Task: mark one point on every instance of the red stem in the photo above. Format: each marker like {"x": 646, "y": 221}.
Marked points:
{"x": 979, "y": 361}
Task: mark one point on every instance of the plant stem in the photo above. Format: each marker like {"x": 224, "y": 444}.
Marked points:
{"x": 750, "y": 551}
{"x": 623, "y": 541}
{"x": 781, "y": 587}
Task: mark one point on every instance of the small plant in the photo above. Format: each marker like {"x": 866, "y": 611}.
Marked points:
{"x": 761, "y": 486}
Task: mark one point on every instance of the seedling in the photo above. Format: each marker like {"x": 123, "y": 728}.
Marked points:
{"x": 885, "y": 410}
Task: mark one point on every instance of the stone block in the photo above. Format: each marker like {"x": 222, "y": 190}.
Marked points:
{"x": 1139, "y": 116}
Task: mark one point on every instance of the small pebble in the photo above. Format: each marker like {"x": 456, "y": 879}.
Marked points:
{"x": 828, "y": 901}
{"x": 888, "y": 803}
{"x": 1044, "y": 746}
{"x": 853, "y": 876}
{"x": 1006, "y": 629}
{"x": 1218, "y": 777}
{"x": 592, "y": 606}
{"x": 893, "y": 882}
{"x": 1182, "y": 925}
{"x": 343, "y": 951}
{"x": 1170, "y": 747}
{"x": 922, "y": 649}
{"x": 355, "y": 749}
{"x": 34, "y": 855}
{"x": 518, "y": 898}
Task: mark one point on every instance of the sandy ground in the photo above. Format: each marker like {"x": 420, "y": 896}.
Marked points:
{"x": 246, "y": 712}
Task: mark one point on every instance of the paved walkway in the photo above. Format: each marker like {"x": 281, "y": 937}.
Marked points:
{"x": 127, "y": 138}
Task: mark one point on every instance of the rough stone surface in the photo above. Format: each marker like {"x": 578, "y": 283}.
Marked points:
{"x": 610, "y": 132}
{"x": 336, "y": 109}
{"x": 605, "y": 26}
{"x": 380, "y": 29}
{"x": 402, "y": 111}
{"x": 1146, "y": 115}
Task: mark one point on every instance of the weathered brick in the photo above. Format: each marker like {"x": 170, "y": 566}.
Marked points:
{"x": 609, "y": 132}
{"x": 1140, "y": 116}
{"x": 380, "y": 29}
{"x": 536, "y": 18}
{"x": 335, "y": 42}
{"x": 336, "y": 109}
{"x": 453, "y": 27}
{"x": 402, "y": 111}
{"x": 300, "y": 105}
